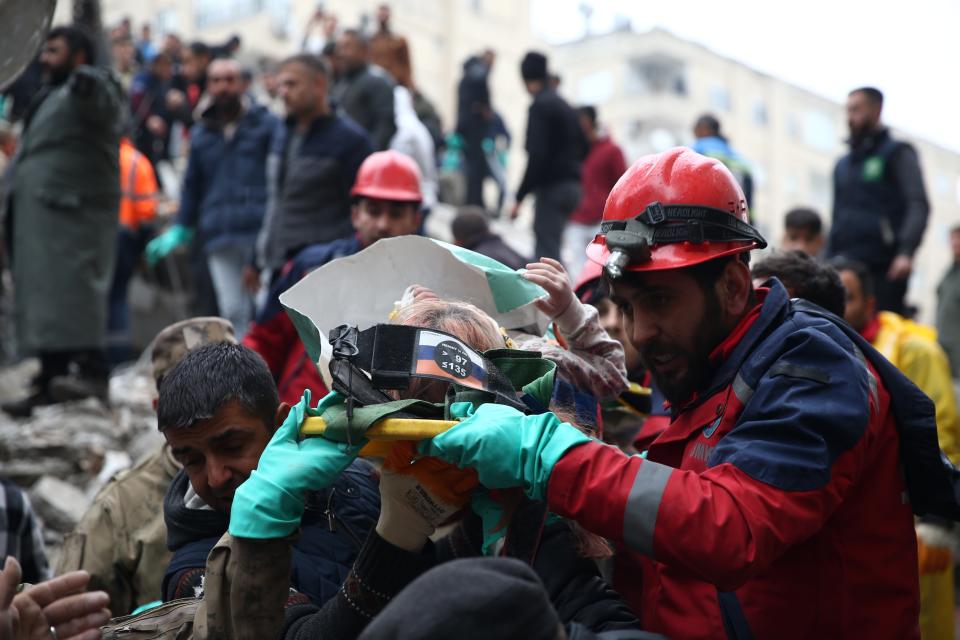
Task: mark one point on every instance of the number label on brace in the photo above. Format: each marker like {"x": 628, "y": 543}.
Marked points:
{"x": 450, "y": 357}
{"x": 443, "y": 357}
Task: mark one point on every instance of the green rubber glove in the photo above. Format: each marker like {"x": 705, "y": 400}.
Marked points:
{"x": 506, "y": 447}
{"x": 176, "y": 236}
{"x": 271, "y": 501}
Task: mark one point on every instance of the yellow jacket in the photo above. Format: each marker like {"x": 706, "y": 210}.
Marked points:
{"x": 913, "y": 349}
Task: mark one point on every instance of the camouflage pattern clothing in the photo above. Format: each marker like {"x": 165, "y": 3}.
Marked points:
{"x": 122, "y": 539}
{"x": 175, "y": 341}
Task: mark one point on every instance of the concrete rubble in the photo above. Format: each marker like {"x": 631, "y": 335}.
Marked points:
{"x": 65, "y": 453}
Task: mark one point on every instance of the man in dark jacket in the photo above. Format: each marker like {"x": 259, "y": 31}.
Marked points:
{"x": 880, "y": 206}
{"x": 63, "y": 202}
{"x": 152, "y": 117}
{"x": 387, "y": 201}
{"x": 225, "y": 189}
{"x": 474, "y": 114}
{"x": 218, "y": 408}
{"x": 364, "y": 92}
{"x": 555, "y": 149}
{"x": 948, "y": 306}
{"x": 313, "y": 165}
{"x": 472, "y": 231}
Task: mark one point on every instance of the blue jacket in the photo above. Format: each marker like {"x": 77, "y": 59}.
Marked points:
{"x": 790, "y": 477}
{"x": 224, "y": 191}
{"x": 334, "y": 526}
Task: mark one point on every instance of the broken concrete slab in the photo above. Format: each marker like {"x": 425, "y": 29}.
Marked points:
{"x": 59, "y": 505}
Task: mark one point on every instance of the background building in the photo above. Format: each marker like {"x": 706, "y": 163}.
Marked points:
{"x": 650, "y": 88}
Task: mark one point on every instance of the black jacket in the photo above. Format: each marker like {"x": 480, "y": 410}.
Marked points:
{"x": 583, "y": 601}
{"x": 880, "y": 206}
{"x": 555, "y": 144}
{"x": 367, "y": 97}
{"x": 473, "y": 98}
{"x": 309, "y": 197}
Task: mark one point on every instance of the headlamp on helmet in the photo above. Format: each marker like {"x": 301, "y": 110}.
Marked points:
{"x": 631, "y": 241}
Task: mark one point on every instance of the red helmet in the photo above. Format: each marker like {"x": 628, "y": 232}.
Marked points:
{"x": 671, "y": 210}
{"x": 591, "y": 271}
{"x": 388, "y": 175}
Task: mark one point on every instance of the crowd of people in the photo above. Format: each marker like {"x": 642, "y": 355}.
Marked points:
{"x": 711, "y": 439}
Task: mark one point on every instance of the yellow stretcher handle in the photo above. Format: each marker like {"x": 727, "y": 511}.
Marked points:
{"x": 384, "y": 432}
{"x": 387, "y": 429}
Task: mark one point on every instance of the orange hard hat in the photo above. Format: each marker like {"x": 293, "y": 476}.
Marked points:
{"x": 671, "y": 210}
{"x": 388, "y": 175}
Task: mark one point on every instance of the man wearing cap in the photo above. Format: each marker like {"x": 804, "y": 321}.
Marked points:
{"x": 386, "y": 204}
{"x": 779, "y": 501}
{"x": 121, "y": 539}
{"x": 555, "y": 148}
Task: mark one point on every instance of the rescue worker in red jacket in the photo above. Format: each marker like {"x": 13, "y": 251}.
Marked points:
{"x": 773, "y": 506}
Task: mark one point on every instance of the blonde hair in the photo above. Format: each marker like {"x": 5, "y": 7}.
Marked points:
{"x": 460, "y": 319}
{"x": 481, "y": 332}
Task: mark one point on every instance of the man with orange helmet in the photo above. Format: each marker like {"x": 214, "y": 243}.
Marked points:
{"x": 386, "y": 203}
{"x": 777, "y": 503}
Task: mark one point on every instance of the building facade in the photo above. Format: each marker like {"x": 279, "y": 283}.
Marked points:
{"x": 651, "y": 87}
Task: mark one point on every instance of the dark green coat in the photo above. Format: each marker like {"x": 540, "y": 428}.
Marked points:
{"x": 65, "y": 194}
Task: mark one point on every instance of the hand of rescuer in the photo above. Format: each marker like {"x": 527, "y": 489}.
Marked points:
{"x": 550, "y": 274}
{"x": 419, "y": 494}
{"x": 506, "y": 447}
{"x": 270, "y": 503}
{"x": 176, "y": 236}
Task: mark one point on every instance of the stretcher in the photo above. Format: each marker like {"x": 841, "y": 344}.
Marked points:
{"x": 385, "y": 432}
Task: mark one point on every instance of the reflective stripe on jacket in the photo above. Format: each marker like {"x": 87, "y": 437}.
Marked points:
{"x": 774, "y": 506}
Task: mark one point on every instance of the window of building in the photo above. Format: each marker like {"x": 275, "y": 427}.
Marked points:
{"x": 790, "y": 183}
{"x": 759, "y": 173}
{"x": 821, "y": 188}
{"x": 208, "y": 13}
{"x": 818, "y": 131}
{"x": 759, "y": 112}
{"x": 719, "y": 98}
{"x": 656, "y": 74}
{"x": 793, "y": 127}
